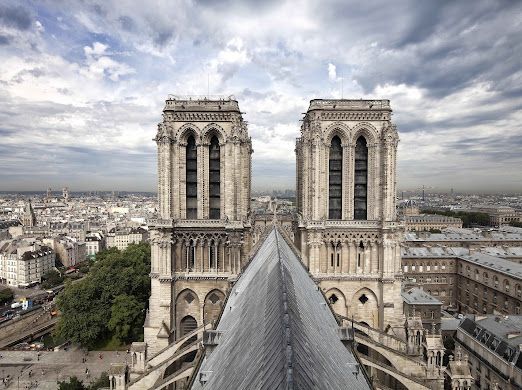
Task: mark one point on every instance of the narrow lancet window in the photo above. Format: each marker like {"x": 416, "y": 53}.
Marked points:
{"x": 361, "y": 179}
{"x": 192, "y": 178}
{"x": 335, "y": 179}
{"x": 214, "y": 179}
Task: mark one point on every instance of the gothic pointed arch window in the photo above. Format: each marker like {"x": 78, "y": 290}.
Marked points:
{"x": 192, "y": 178}
{"x": 361, "y": 179}
{"x": 214, "y": 179}
{"x": 335, "y": 179}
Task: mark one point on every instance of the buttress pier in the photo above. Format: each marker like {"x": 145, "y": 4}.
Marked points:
{"x": 200, "y": 241}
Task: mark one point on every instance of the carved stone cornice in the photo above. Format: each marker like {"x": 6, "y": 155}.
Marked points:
{"x": 354, "y": 116}
{"x": 347, "y": 277}
{"x": 199, "y": 117}
{"x": 188, "y": 276}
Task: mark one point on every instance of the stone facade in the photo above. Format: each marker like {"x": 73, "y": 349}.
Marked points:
{"x": 23, "y": 263}
{"x": 347, "y": 230}
{"x": 464, "y": 281}
{"x": 122, "y": 237}
{"x": 430, "y": 222}
{"x": 200, "y": 242}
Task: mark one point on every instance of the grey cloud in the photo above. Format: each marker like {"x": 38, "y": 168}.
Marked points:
{"x": 4, "y": 40}
{"x": 127, "y": 23}
{"x": 15, "y": 16}
{"x": 163, "y": 36}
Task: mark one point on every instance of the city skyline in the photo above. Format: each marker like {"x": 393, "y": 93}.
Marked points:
{"x": 81, "y": 85}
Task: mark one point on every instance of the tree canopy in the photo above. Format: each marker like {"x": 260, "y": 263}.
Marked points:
{"x": 469, "y": 218}
{"x": 51, "y": 279}
{"x": 75, "y": 384}
{"x": 6, "y": 295}
{"x": 110, "y": 301}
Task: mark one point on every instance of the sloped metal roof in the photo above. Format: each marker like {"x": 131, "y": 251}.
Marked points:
{"x": 277, "y": 332}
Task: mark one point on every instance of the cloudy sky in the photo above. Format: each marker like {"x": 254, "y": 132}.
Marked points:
{"x": 83, "y": 83}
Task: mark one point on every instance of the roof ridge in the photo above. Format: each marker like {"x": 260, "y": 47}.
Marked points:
{"x": 286, "y": 320}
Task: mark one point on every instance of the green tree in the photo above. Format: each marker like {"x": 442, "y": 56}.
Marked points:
{"x": 6, "y": 296}
{"x": 126, "y": 312}
{"x": 117, "y": 278}
{"x": 73, "y": 384}
{"x": 469, "y": 218}
{"x": 515, "y": 224}
{"x": 101, "y": 382}
{"x": 51, "y": 279}
{"x": 84, "y": 315}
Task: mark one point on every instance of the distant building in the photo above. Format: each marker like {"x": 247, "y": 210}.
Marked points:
{"x": 23, "y": 263}
{"x": 500, "y": 215}
{"x": 493, "y": 346}
{"x": 122, "y": 237}
{"x": 69, "y": 251}
{"x": 468, "y": 279}
{"x": 7, "y": 228}
{"x": 488, "y": 284}
{"x": 94, "y": 242}
{"x": 418, "y": 303}
{"x": 29, "y": 217}
{"x": 429, "y": 222}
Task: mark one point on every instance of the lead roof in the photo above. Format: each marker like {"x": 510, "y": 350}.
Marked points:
{"x": 278, "y": 331}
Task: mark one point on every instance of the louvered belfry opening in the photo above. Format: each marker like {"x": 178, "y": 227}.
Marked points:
{"x": 214, "y": 179}
{"x": 335, "y": 179}
{"x": 361, "y": 179}
{"x": 192, "y": 178}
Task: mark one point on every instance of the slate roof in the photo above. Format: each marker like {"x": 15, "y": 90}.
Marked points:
{"x": 502, "y": 335}
{"x": 416, "y": 296}
{"x": 499, "y": 264}
{"x": 278, "y": 332}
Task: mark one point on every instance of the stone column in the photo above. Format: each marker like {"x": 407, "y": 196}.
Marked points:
{"x": 205, "y": 179}
{"x": 201, "y": 262}
{"x": 346, "y": 167}
{"x": 344, "y": 257}
{"x": 201, "y": 178}
{"x": 375, "y": 258}
{"x": 182, "y": 198}
{"x": 372, "y": 197}
{"x": 353, "y": 258}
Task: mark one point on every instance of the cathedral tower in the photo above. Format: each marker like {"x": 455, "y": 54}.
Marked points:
{"x": 28, "y": 216}
{"x": 347, "y": 230}
{"x": 202, "y": 236}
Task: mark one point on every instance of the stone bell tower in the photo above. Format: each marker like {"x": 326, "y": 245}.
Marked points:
{"x": 202, "y": 236}
{"x": 347, "y": 230}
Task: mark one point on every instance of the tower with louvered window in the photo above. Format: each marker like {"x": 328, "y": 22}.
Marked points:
{"x": 347, "y": 231}
{"x": 202, "y": 236}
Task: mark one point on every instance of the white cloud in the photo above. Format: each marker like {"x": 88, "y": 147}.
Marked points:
{"x": 332, "y": 72}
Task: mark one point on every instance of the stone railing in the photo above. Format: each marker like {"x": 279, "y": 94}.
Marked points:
{"x": 212, "y": 223}
{"x": 359, "y": 104}
{"x": 157, "y": 222}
